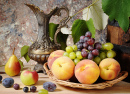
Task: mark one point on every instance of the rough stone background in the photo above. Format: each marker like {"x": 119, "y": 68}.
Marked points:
{"x": 18, "y": 24}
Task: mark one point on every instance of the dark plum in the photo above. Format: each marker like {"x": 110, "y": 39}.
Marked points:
{"x": 49, "y": 86}
{"x": 8, "y": 82}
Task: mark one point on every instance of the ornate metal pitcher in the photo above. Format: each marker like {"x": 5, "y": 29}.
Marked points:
{"x": 43, "y": 46}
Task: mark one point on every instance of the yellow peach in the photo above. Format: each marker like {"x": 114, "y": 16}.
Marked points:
{"x": 87, "y": 71}
{"x": 53, "y": 56}
{"x": 110, "y": 68}
{"x": 63, "y": 68}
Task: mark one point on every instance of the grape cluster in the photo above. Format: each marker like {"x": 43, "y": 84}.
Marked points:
{"x": 89, "y": 49}
{"x": 72, "y": 53}
{"x": 105, "y": 52}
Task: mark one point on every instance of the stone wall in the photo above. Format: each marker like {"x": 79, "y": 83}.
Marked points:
{"x": 18, "y": 24}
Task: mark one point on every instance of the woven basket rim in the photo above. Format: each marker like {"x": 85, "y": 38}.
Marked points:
{"x": 121, "y": 76}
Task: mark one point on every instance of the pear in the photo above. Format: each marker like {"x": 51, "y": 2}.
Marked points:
{"x": 13, "y": 66}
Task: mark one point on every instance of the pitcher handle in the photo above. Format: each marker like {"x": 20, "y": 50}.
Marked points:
{"x": 63, "y": 22}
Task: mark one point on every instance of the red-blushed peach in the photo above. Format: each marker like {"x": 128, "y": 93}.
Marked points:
{"x": 63, "y": 68}
{"x": 53, "y": 56}
{"x": 87, "y": 71}
{"x": 29, "y": 77}
{"x": 109, "y": 68}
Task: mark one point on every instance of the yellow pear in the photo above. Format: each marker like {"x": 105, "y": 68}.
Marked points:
{"x": 12, "y": 67}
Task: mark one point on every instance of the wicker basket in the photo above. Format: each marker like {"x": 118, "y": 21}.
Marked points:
{"x": 102, "y": 85}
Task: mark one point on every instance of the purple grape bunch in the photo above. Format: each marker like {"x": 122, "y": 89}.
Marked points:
{"x": 89, "y": 49}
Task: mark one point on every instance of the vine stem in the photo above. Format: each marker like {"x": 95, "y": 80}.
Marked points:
{"x": 84, "y": 8}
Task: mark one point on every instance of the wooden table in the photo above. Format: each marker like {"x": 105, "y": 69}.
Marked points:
{"x": 121, "y": 87}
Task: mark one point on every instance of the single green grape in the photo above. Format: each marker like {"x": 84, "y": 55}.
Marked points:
{"x": 108, "y": 46}
{"x": 69, "y": 49}
{"x": 76, "y": 61}
{"x": 102, "y": 55}
{"x": 78, "y": 55}
{"x": 97, "y": 60}
{"x": 74, "y": 47}
{"x": 111, "y": 54}
{"x": 72, "y": 55}
{"x": 42, "y": 91}
{"x": 66, "y": 54}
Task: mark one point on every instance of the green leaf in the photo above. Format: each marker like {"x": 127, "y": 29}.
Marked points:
{"x": 21, "y": 64}
{"x": 80, "y": 27}
{"x": 61, "y": 38}
{"x": 97, "y": 14}
{"x": 91, "y": 27}
{"x": 26, "y": 57}
{"x": 52, "y": 30}
{"x": 24, "y": 50}
{"x": 118, "y": 10}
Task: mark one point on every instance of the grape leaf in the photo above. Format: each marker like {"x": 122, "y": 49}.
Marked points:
{"x": 24, "y": 50}
{"x": 21, "y": 64}
{"x": 97, "y": 14}
{"x": 52, "y": 30}
{"x": 61, "y": 38}
{"x": 118, "y": 10}
{"x": 26, "y": 57}
{"x": 80, "y": 27}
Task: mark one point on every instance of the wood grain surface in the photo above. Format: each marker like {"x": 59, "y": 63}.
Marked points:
{"x": 121, "y": 87}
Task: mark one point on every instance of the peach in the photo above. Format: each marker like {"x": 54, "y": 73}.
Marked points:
{"x": 53, "y": 56}
{"x": 109, "y": 68}
{"x": 87, "y": 71}
{"x": 63, "y": 68}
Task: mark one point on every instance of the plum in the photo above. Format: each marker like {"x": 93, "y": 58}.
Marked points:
{"x": 8, "y": 82}
{"x": 49, "y": 86}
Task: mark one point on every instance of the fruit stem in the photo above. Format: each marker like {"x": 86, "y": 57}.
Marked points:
{"x": 13, "y": 51}
{"x": 85, "y": 8}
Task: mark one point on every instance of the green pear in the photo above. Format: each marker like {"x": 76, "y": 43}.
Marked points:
{"x": 12, "y": 67}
